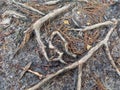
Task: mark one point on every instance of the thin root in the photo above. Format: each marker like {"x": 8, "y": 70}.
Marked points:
{"x": 111, "y": 59}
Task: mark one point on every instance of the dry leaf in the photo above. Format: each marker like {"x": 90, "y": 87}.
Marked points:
{"x": 66, "y": 22}
{"x": 78, "y": 12}
{"x": 88, "y": 23}
{"x": 88, "y": 47}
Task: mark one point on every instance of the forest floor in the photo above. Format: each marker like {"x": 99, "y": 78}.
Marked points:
{"x": 59, "y": 45}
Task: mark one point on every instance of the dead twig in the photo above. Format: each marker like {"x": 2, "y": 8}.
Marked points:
{"x": 79, "y": 62}
{"x": 26, "y": 68}
{"x": 79, "y": 77}
{"x": 28, "y": 7}
{"x": 36, "y": 73}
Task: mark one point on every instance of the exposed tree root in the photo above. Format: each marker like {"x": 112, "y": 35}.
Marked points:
{"x": 63, "y": 39}
{"x": 37, "y": 26}
{"x": 57, "y": 1}
{"x": 28, "y": 7}
{"x": 52, "y": 2}
{"x": 79, "y": 77}
{"x": 79, "y": 62}
{"x": 59, "y": 58}
{"x": 41, "y": 45}
{"x": 93, "y": 26}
